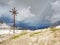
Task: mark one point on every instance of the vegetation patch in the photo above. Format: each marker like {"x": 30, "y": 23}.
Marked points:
{"x": 15, "y": 36}
{"x": 34, "y": 33}
{"x": 21, "y": 34}
{"x": 53, "y": 29}
{"x": 2, "y": 42}
{"x": 0, "y": 35}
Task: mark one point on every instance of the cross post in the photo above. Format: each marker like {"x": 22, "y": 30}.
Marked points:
{"x": 14, "y": 13}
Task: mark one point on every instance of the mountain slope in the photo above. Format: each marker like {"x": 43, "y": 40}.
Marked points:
{"x": 55, "y": 24}
{"x": 37, "y": 37}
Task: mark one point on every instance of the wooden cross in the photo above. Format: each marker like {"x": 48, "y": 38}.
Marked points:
{"x": 14, "y": 13}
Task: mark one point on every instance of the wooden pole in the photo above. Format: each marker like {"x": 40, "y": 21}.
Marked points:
{"x": 14, "y": 13}
{"x": 14, "y": 24}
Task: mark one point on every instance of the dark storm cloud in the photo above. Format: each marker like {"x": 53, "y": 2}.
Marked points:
{"x": 40, "y": 8}
{"x": 36, "y": 5}
{"x": 3, "y": 2}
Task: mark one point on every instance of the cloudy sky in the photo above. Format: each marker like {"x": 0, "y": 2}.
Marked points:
{"x": 31, "y": 13}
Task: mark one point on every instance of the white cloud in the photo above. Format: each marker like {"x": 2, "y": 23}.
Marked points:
{"x": 56, "y": 9}
{"x": 24, "y": 13}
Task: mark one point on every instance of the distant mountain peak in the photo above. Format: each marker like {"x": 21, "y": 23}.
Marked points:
{"x": 55, "y": 24}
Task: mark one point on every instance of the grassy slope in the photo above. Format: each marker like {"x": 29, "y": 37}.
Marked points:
{"x": 44, "y": 37}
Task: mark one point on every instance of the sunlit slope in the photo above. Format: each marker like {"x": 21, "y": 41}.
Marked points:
{"x": 50, "y": 36}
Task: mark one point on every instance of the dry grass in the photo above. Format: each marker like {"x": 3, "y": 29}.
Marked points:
{"x": 45, "y": 37}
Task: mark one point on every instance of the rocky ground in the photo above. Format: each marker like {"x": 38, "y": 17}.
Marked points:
{"x": 50, "y": 36}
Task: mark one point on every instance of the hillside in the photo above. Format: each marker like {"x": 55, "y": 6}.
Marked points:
{"x": 50, "y": 36}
